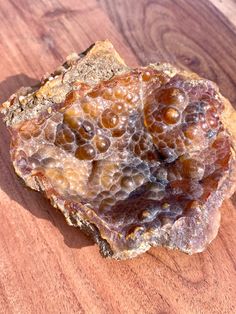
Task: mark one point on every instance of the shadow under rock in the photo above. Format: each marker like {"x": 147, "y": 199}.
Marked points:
{"x": 233, "y": 198}
{"x": 32, "y": 201}
{"x": 12, "y": 83}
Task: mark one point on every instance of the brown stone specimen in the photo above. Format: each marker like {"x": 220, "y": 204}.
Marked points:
{"x": 134, "y": 157}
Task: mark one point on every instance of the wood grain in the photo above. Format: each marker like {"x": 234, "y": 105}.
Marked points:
{"x": 49, "y": 267}
{"x": 228, "y": 8}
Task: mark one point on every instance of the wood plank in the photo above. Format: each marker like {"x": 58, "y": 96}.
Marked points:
{"x": 228, "y": 8}
{"x": 49, "y": 267}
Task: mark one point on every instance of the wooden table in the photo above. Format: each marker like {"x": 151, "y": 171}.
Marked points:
{"x": 49, "y": 267}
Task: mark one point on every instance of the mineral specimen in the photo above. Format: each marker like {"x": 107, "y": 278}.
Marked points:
{"x": 135, "y": 157}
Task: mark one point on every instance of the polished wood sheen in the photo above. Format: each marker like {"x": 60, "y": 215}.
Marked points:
{"x": 49, "y": 267}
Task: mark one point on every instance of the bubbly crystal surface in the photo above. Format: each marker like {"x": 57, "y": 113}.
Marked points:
{"x": 131, "y": 154}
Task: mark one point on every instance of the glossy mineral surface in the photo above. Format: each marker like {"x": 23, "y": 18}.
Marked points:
{"x": 132, "y": 155}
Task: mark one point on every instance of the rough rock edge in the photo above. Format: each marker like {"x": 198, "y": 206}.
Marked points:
{"x": 99, "y": 62}
{"x": 85, "y": 67}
